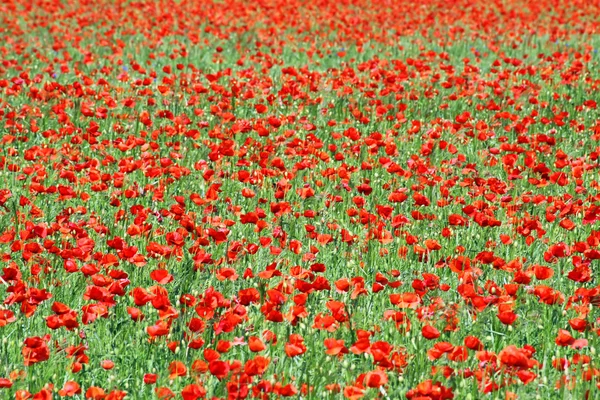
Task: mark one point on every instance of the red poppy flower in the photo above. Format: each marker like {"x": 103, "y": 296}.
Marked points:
{"x": 70, "y": 388}
{"x": 35, "y": 350}
{"x": 429, "y": 332}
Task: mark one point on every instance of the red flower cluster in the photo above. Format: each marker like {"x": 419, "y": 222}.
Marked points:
{"x": 299, "y": 199}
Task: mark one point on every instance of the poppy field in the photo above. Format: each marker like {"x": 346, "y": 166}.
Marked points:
{"x": 299, "y": 199}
